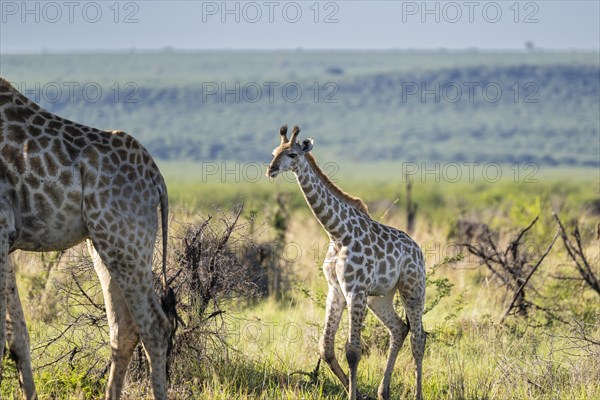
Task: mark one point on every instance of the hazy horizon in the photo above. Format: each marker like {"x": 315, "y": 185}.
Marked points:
{"x": 304, "y": 49}
{"x": 167, "y": 49}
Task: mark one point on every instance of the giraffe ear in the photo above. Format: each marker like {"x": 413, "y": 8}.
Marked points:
{"x": 307, "y": 145}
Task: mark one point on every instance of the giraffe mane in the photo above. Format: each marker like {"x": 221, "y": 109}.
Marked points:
{"x": 347, "y": 198}
{"x": 6, "y": 86}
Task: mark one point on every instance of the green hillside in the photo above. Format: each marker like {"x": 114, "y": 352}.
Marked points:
{"x": 368, "y": 106}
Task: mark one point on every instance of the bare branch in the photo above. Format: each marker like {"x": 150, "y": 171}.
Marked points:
{"x": 84, "y": 294}
{"x": 514, "y": 244}
{"x": 526, "y": 280}
{"x": 576, "y": 253}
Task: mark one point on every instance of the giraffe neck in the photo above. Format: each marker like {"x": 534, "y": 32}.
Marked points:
{"x": 330, "y": 209}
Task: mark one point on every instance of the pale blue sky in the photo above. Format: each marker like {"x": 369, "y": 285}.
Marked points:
{"x": 107, "y": 25}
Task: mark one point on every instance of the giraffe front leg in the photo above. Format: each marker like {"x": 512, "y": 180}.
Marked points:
{"x": 3, "y": 294}
{"x": 18, "y": 337}
{"x": 333, "y": 315}
{"x": 7, "y": 235}
{"x": 357, "y": 302}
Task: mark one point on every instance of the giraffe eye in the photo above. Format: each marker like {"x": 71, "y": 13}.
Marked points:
{"x": 292, "y": 155}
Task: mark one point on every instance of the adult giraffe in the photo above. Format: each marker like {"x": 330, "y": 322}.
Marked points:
{"x": 366, "y": 264}
{"x": 61, "y": 183}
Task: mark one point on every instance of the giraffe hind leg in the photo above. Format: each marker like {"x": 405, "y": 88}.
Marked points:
{"x": 123, "y": 332}
{"x": 383, "y": 308}
{"x": 414, "y": 312}
{"x": 124, "y": 240}
{"x": 131, "y": 273}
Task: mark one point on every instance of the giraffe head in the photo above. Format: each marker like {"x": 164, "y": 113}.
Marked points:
{"x": 289, "y": 151}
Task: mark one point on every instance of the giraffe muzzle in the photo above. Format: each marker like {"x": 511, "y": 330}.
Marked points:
{"x": 272, "y": 172}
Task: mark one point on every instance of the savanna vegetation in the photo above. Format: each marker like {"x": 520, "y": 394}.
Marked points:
{"x": 252, "y": 295}
{"x": 513, "y": 309}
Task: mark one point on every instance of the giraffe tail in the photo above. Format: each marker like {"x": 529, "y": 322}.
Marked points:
{"x": 164, "y": 218}
{"x": 169, "y": 300}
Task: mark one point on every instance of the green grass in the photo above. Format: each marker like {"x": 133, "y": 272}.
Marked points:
{"x": 273, "y": 344}
{"x": 223, "y": 184}
{"x": 465, "y": 360}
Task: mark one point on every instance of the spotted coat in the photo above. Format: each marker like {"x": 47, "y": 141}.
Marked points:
{"x": 366, "y": 264}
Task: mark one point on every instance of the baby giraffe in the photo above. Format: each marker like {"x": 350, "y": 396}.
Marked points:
{"x": 366, "y": 264}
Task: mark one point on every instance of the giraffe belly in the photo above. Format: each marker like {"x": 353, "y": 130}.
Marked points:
{"x": 50, "y": 213}
{"x": 384, "y": 278}
{"x": 382, "y": 287}
{"x": 53, "y": 235}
